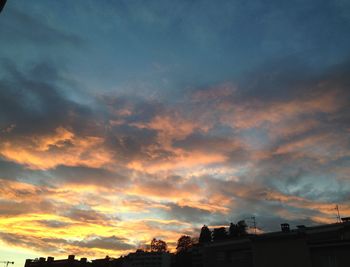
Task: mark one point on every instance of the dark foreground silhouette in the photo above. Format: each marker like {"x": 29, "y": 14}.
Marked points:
{"x": 318, "y": 246}
{"x": 2, "y": 4}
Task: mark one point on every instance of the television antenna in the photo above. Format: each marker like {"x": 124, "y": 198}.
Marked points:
{"x": 338, "y": 214}
{"x": 252, "y": 220}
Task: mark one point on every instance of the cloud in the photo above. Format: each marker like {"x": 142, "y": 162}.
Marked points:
{"x": 60, "y": 147}
{"x": 45, "y": 124}
{"x": 80, "y": 175}
{"x": 21, "y": 27}
{"x": 35, "y": 104}
{"x": 110, "y": 243}
{"x": 188, "y": 214}
{"x": 53, "y": 223}
{"x": 57, "y": 246}
{"x": 255, "y": 114}
{"x": 10, "y": 170}
{"x": 27, "y": 241}
{"x": 174, "y": 187}
{"x": 87, "y": 216}
{"x": 127, "y": 169}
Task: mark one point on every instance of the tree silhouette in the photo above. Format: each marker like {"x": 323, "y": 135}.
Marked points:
{"x": 242, "y": 228}
{"x": 184, "y": 243}
{"x": 233, "y": 231}
{"x": 205, "y": 235}
{"x": 158, "y": 245}
{"x": 183, "y": 256}
{"x": 219, "y": 234}
{"x": 239, "y": 229}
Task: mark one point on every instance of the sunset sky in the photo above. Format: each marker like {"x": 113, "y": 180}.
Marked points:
{"x": 121, "y": 121}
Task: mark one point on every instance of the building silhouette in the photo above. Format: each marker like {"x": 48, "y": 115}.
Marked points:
{"x": 148, "y": 259}
{"x": 318, "y": 246}
{"x": 136, "y": 259}
{"x": 71, "y": 261}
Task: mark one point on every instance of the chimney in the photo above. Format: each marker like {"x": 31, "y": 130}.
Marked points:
{"x": 71, "y": 257}
{"x": 28, "y": 262}
{"x": 285, "y": 227}
{"x": 301, "y": 228}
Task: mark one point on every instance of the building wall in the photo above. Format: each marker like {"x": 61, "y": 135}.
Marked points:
{"x": 331, "y": 256}
{"x": 279, "y": 252}
{"x": 230, "y": 253}
{"x": 148, "y": 259}
{"x": 50, "y": 262}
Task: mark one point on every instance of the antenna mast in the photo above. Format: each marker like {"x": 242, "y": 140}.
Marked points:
{"x": 254, "y": 224}
{"x": 252, "y": 221}
{"x": 338, "y": 214}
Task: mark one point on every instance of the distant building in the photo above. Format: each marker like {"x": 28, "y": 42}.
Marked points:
{"x": 318, "y": 246}
{"x": 288, "y": 248}
{"x": 51, "y": 262}
{"x": 136, "y": 259}
{"x": 108, "y": 262}
{"x": 226, "y": 253}
{"x": 148, "y": 259}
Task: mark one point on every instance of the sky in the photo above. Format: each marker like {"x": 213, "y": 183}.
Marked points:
{"x": 121, "y": 121}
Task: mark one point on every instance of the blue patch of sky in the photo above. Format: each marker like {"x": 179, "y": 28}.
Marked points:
{"x": 168, "y": 46}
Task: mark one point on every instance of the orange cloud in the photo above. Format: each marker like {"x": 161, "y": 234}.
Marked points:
{"x": 169, "y": 127}
{"x": 181, "y": 160}
{"x": 61, "y": 147}
{"x": 322, "y": 147}
{"x": 255, "y": 113}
